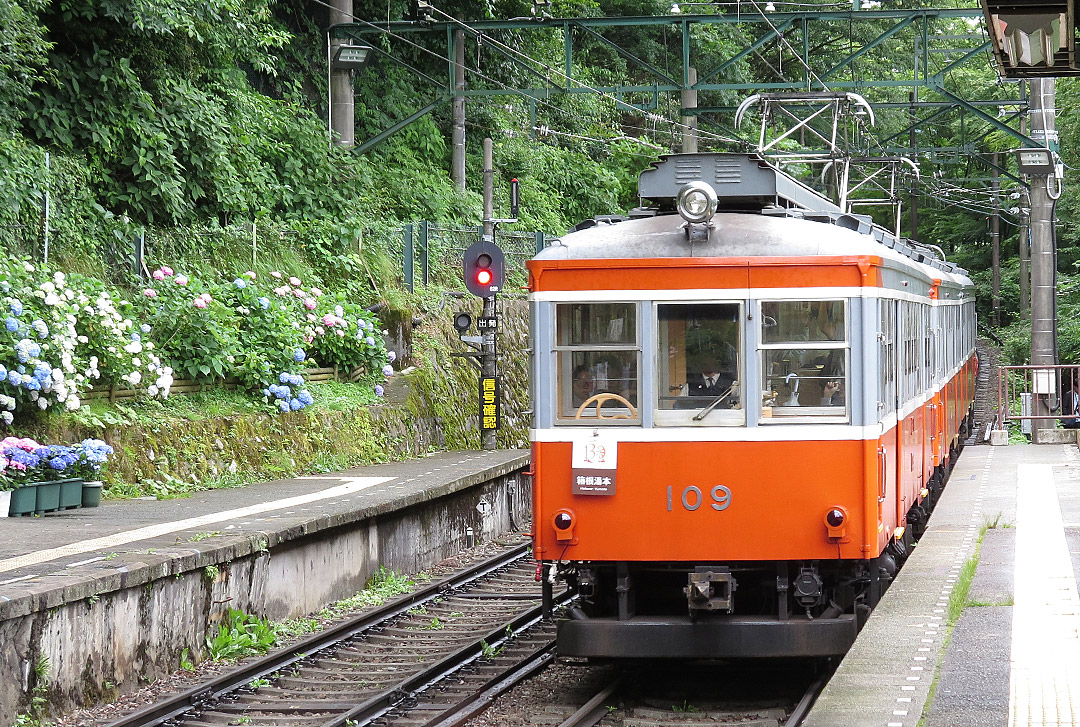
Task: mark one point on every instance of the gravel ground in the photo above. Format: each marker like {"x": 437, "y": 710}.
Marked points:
{"x": 181, "y": 679}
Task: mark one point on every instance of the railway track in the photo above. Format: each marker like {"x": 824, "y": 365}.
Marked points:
{"x": 389, "y": 666}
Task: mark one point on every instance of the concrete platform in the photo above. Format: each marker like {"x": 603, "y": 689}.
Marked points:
{"x": 113, "y": 596}
{"x": 1013, "y": 656}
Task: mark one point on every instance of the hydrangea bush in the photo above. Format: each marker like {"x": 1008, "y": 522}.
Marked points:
{"x": 64, "y": 334}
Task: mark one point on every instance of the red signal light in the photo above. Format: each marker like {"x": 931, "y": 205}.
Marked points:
{"x": 483, "y": 277}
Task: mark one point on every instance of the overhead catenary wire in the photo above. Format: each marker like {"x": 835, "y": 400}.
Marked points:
{"x": 619, "y": 103}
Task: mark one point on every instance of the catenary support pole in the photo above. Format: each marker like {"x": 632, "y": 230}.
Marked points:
{"x": 1043, "y": 273}
{"x": 689, "y": 101}
{"x": 342, "y": 124}
{"x": 995, "y": 242}
{"x": 457, "y": 172}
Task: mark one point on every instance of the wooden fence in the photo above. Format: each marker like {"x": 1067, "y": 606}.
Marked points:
{"x": 190, "y": 386}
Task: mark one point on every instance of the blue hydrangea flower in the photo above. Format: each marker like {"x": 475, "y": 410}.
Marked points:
{"x": 379, "y": 391}
{"x": 283, "y": 405}
{"x": 387, "y": 370}
{"x": 266, "y": 393}
{"x": 16, "y": 307}
{"x": 3, "y": 372}
{"x": 283, "y": 377}
{"x": 305, "y": 397}
{"x": 14, "y": 378}
{"x": 299, "y": 355}
{"x": 370, "y": 341}
{"x": 295, "y": 404}
{"x": 145, "y": 328}
{"x": 11, "y": 324}
{"x": 136, "y": 337}
{"x": 264, "y": 302}
{"x": 391, "y": 356}
{"x": 42, "y": 372}
{"x": 239, "y": 283}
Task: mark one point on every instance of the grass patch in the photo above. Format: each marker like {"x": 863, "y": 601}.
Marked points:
{"x": 958, "y": 601}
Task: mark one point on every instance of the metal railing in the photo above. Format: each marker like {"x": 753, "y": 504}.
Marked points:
{"x": 432, "y": 254}
{"x": 1038, "y": 393}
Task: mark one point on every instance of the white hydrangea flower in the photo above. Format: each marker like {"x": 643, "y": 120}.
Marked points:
{"x": 134, "y": 347}
{"x": 72, "y": 403}
{"x": 43, "y": 403}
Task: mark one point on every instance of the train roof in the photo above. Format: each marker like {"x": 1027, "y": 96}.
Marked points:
{"x": 741, "y": 235}
{"x": 762, "y": 212}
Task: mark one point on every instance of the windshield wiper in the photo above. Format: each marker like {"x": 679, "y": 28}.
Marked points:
{"x": 715, "y": 402}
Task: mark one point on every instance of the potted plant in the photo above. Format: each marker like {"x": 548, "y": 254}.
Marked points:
{"x": 20, "y": 473}
{"x": 57, "y": 464}
{"x": 92, "y": 459}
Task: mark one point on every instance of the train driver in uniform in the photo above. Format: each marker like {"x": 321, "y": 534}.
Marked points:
{"x": 583, "y": 385}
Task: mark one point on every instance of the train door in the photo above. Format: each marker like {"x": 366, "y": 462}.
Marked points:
{"x": 888, "y": 406}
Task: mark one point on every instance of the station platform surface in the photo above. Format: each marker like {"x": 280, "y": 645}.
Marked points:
{"x": 35, "y": 550}
{"x": 1012, "y": 657}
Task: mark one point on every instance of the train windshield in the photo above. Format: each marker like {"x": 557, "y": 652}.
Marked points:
{"x": 699, "y": 365}
{"x": 598, "y": 352}
{"x": 804, "y": 358}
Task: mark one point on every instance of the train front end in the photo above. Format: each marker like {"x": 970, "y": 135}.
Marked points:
{"x": 708, "y": 429}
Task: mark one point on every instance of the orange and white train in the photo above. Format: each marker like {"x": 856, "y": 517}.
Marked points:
{"x": 745, "y": 404}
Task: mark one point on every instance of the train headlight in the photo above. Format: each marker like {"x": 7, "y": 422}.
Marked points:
{"x": 697, "y": 202}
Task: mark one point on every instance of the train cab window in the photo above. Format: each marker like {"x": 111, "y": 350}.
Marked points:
{"x": 699, "y": 366}
{"x": 598, "y": 354}
{"x": 804, "y": 359}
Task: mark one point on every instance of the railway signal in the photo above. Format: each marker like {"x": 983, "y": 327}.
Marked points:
{"x": 484, "y": 268}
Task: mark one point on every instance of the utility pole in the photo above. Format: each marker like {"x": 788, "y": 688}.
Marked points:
{"x": 913, "y": 203}
{"x": 1024, "y": 242}
{"x": 995, "y": 241}
{"x": 689, "y": 101}
{"x": 457, "y": 171}
{"x": 1043, "y": 257}
{"x": 342, "y": 119}
{"x": 488, "y": 358}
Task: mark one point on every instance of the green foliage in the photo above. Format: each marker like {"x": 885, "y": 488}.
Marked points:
{"x": 240, "y": 635}
{"x": 382, "y": 586}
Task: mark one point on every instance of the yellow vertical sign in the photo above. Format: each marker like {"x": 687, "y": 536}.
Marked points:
{"x": 489, "y": 403}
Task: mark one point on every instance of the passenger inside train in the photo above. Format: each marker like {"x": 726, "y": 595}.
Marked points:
{"x": 804, "y": 357}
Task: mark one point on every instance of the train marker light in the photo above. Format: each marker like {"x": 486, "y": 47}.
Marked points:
{"x": 564, "y": 525}
{"x": 484, "y": 268}
{"x": 835, "y": 520}
{"x": 697, "y": 202}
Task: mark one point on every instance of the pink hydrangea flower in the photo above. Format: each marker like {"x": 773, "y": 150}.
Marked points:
{"x": 166, "y": 269}
{"x": 275, "y": 274}
{"x": 294, "y": 280}
{"x": 298, "y": 293}
{"x": 283, "y": 290}
{"x": 181, "y": 280}
{"x": 309, "y": 303}
{"x": 320, "y": 330}
{"x": 311, "y": 318}
{"x": 316, "y": 292}
{"x": 328, "y": 319}
{"x": 159, "y": 275}
{"x": 250, "y": 274}
{"x": 150, "y": 293}
{"x": 199, "y": 303}
{"x": 206, "y": 297}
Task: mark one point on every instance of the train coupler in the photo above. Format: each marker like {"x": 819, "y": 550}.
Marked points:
{"x": 710, "y": 590}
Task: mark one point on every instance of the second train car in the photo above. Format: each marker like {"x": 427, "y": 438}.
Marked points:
{"x": 745, "y": 403}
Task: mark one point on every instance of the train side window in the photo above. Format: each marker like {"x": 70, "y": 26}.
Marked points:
{"x": 804, "y": 359}
{"x": 698, "y": 364}
{"x": 597, "y": 360}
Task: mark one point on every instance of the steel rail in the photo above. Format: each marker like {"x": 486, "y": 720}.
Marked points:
{"x": 803, "y": 707}
{"x": 595, "y": 709}
{"x": 197, "y": 696}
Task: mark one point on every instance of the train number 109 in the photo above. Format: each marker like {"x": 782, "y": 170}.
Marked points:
{"x": 692, "y": 498}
